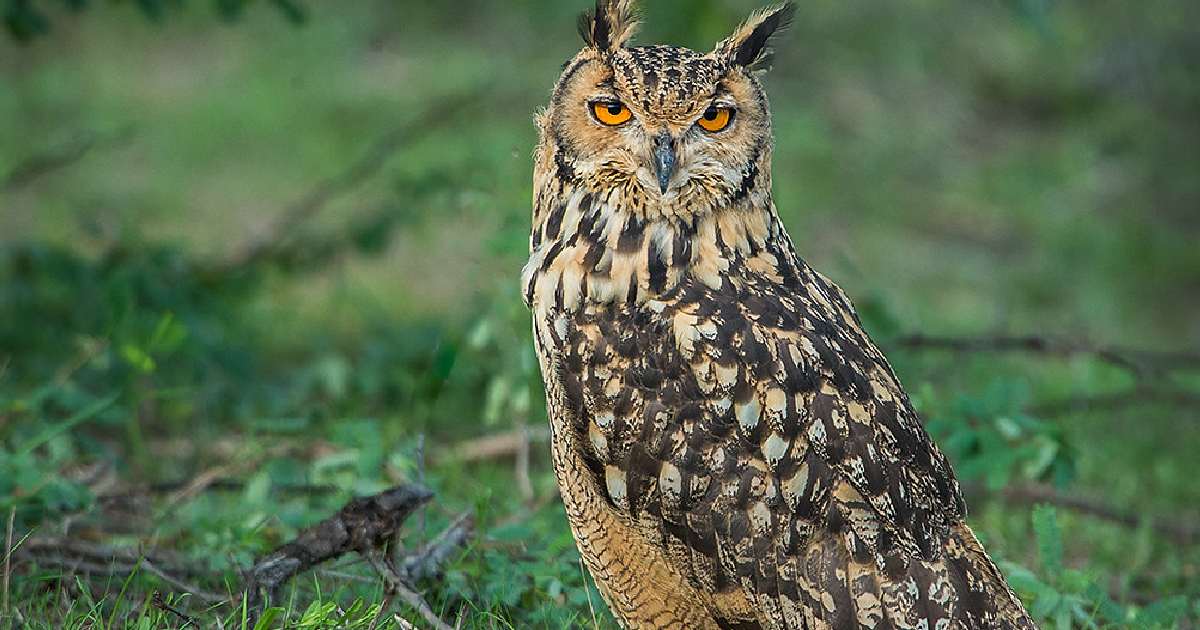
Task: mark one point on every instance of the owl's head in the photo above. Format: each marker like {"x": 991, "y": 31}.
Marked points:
{"x": 672, "y": 127}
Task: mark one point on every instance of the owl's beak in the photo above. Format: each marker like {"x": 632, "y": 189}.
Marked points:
{"x": 664, "y": 159}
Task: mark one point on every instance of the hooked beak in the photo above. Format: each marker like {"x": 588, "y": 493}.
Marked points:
{"x": 664, "y": 159}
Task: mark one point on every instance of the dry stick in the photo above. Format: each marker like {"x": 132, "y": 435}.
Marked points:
{"x": 97, "y": 559}
{"x": 70, "y": 547}
{"x": 207, "y": 597}
{"x": 428, "y": 561}
{"x": 8, "y": 551}
{"x": 362, "y": 169}
{"x": 199, "y": 484}
{"x": 1139, "y": 362}
{"x": 158, "y": 602}
{"x": 524, "y": 483}
{"x": 494, "y": 446}
{"x": 1178, "y": 531}
{"x": 397, "y": 585}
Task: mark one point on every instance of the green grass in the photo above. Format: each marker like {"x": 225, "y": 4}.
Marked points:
{"x": 959, "y": 168}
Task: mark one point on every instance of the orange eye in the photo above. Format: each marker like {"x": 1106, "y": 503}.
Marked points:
{"x": 715, "y": 118}
{"x": 611, "y": 113}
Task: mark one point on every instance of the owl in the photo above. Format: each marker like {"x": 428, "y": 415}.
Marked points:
{"x": 731, "y": 448}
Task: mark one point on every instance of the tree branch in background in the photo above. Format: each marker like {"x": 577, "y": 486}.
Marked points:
{"x": 62, "y": 156}
{"x": 274, "y": 239}
{"x": 1182, "y": 531}
{"x": 1140, "y": 363}
{"x": 1117, "y": 401}
{"x": 493, "y": 446}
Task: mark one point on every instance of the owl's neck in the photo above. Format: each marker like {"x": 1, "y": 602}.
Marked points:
{"x": 596, "y": 248}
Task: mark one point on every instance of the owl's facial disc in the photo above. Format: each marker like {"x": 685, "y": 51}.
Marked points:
{"x": 679, "y": 129}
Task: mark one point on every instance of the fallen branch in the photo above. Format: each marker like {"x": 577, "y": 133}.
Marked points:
{"x": 365, "y": 526}
{"x": 1180, "y": 531}
{"x": 1140, "y": 363}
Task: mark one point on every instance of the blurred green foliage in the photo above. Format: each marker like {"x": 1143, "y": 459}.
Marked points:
{"x": 26, "y": 20}
{"x": 960, "y": 168}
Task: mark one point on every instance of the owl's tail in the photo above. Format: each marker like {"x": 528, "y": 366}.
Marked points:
{"x": 960, "y": 588}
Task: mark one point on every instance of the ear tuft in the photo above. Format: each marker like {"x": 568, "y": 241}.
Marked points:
{"x": 610, "y": 26}
{"x": 747, "y": 46}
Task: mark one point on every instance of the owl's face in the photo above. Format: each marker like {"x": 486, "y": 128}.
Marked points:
{"x": 673, "y": 128}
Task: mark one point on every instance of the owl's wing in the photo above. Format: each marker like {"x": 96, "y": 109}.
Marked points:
{"x": 766, "y": 440}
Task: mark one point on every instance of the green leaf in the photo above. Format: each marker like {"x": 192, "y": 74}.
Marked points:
{"x": 293, "y": 11}
{"x": 1164, "y": 613}
{"x": 1049, "y": 539}
{"x": 68, "y": 424}
{"x": 137, "y": 358}
{"x": 268, "y": 617}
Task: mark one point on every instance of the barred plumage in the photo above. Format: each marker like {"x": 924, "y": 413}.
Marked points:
{"x": 733, "y": 451}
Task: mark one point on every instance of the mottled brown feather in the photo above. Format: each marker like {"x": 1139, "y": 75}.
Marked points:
{"x": 733, "y": 451}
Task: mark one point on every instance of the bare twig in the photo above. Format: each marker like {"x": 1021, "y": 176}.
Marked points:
{"x": 495, "y": 446}
{"x": 420, "y": 455}
{"x": 160, "y": 603}
{"x": 362, "y": 169}
{"x": 8, "y": 550}
{"x": 1115, "y": 401}
{"x": 215, "y": 485}
{"x": 1183, "y": 532}
{"x": 524, "y": 483}
{"x": 397, "y": 585}
{"x": 1139, "y": 362}
{"x": 429, "y": 560}
{"x": 240, "y": 463}
{"x": 199, "y": 484}
{"x": 62, "y": 156}
{"x": 206, "y": 596}
{"x": 75, "y": 555}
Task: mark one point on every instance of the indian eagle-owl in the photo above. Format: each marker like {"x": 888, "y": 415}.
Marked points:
{"x": 732, "y": 449}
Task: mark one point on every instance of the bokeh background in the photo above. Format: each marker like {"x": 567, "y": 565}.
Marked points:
{"x": 274, "y": 247}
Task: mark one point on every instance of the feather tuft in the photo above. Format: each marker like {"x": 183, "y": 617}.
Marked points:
{"x": 748, "y": 45}
{"x": 610, "y": 26}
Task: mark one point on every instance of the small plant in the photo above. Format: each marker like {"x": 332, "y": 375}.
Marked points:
{"x": 1064, "y": 598}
